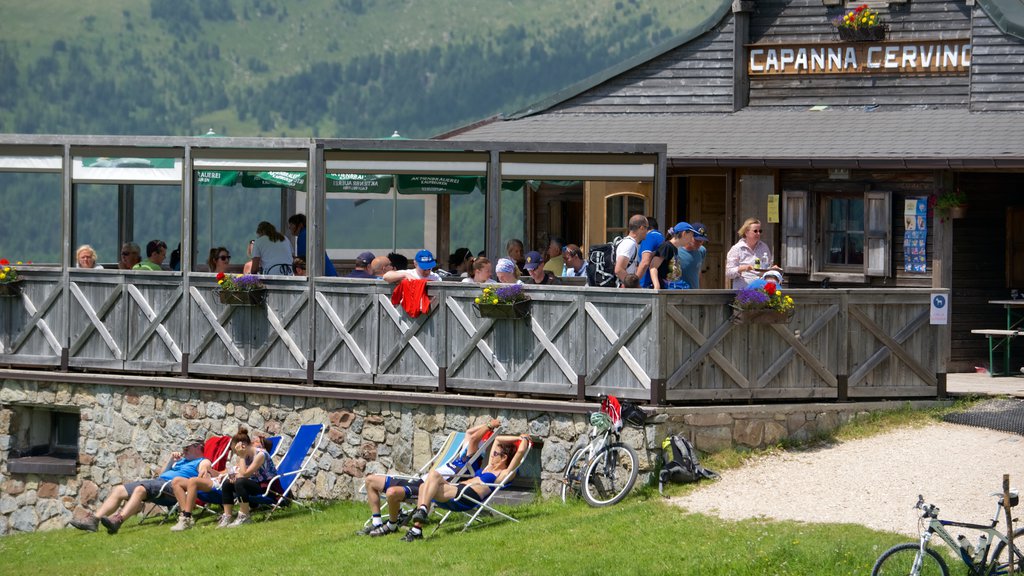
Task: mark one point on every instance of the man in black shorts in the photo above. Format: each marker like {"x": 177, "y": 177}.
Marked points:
{"x": 398, "y": 489}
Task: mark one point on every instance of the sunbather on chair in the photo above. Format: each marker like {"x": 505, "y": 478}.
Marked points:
{"x": 187, "y": 493}
{"x": 398, "y": 489}
{"x": 181, "y": 466}
{"x": 504, "y": 457}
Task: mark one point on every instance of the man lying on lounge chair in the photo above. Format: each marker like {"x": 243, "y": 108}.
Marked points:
{"x": 181, "y": 466}
{"x": 399, "y": 489}
{"x": 505, "y": 457}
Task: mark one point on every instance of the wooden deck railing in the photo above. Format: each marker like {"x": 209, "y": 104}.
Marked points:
{"x": 667, "y": 347}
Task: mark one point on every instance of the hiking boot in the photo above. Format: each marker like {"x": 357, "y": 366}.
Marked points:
{"x": 239, "y": 520}
{"x": 112, "y": 523}
{"x": 384, "y": 529}
{"x": 412, "y": 535}
{"x": 369, "y": 527}
{"x": 89, "y": 523}
{"x": 420, "y": 515}
{"x": 224, "y": 521}
{"x": 184, "y": 523}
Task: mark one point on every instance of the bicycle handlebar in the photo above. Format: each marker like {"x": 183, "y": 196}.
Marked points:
{"x": 927, "y": 510}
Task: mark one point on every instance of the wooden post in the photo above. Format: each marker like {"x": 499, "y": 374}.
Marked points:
{"x": 1010, "y": 550}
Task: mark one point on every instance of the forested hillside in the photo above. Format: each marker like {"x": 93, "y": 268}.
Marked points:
{"x": 337, "y": 68}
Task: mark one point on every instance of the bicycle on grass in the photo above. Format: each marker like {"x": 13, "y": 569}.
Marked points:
{"x": 603, "y": 470}
{"x": 919, "y": 559}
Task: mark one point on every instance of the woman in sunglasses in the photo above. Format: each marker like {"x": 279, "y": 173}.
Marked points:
{"x": 749, "y": 258}
{"x": 219, "y": 260}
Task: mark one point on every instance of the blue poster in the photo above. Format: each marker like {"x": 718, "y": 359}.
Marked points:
{"x": 915, "y": 235}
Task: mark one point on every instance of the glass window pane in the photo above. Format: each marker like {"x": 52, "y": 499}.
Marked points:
{"x": 636, "y": 206}
{"x": 360, "y": 224}
{"x": 157, "y": 216}
{"x": 466, "y": 222}
{"x": 836, "y": 213}
{"x": 855, "y": 221}
{"x": 613, "y": 208}
{"x": 227, "y": 216}
{"x": 96, "y": 222}
{"x": 855, "y": 248}
{"x": 837, "y": 248}
{"x": 35, "y": 234}
{"x": 513, "y": 216}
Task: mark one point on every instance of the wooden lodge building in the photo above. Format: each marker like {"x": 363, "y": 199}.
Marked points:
{"x": 836, "y": 145}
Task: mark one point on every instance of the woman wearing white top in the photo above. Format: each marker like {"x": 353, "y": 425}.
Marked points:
{"x": 481, "y": 272}
{"x": 749, "y": 257}
{"x": 86, "y": 257}
{"x": 271, "y": 253}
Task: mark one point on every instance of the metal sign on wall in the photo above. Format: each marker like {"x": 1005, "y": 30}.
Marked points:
{"x": 883, "y": 57}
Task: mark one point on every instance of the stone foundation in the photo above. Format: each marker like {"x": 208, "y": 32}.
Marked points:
{"x": 127, "y": 433}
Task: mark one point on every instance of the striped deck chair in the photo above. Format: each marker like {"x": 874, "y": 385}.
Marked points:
{"x": 451, "y": 460}
{"x": 466, "y": 502}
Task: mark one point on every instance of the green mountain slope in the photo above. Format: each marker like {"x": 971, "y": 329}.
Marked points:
{"x": 338, "y": 68}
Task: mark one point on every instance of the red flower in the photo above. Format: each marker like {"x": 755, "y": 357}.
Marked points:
{"x": 220, "y": 276}
{"x": 4, "y": 262}
{"x": 770, "y": 288}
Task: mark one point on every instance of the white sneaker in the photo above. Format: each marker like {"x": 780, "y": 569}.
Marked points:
{"x": 184, "y": 523}
{"x": 224, "y": 521}
{"x": 239, "y": 520}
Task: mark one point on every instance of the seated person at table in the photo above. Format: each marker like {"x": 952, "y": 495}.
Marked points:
{"x": 189, "y": 463}
{"x": 537, "y": 274}
{"x": 299, "y": 266}
{"x": 156, "y": 251}
{"x": 86, "y": 257}
{"x": 506, "y": 271}
{"x": 504, "y": 456}
{"x": 271, "y": 252}
{"x": 362, "y": 264}
{"x": 399, "y": 489}
{"x": 219, "y": 260}
{"x": 130, "y": 256}
{"x": 379, "y": 266}
{"x": 481, "y": 271}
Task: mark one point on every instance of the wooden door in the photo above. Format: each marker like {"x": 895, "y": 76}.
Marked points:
{"x": 707, "y": 204}
{"x": 601, "y": 222}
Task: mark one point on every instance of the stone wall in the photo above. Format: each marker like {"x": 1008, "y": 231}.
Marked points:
{"x": 127, "y": 433}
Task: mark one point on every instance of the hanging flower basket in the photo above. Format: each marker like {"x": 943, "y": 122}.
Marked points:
{"x": 766, "y": 316}
{"x": 256, "y": 297}
{"x": 10, "y": 288}
{"x": 874, "y": 33}
{"x": 510, "y": 311}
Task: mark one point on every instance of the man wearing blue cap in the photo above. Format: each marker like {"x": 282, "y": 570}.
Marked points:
{"x": 425, "y": 265}
{"x": 691, "y": 255}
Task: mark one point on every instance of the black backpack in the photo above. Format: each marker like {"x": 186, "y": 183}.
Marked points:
{"x": 601, "y": 264}
{"x": 680, "y": 462}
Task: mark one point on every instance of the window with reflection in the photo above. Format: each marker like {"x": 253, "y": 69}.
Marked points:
{"x": 843, "y": 230}
{"x": 618, "y": 209}
{"x": 226, "y": 213}
{"x": 152, "y": 212}
{"x": 31, "y": 232}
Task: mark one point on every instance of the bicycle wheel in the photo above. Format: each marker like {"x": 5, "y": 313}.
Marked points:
{"x": 1000, "y": 562}
{"x": 573, "y": 477}
{"x": 610, "y": 475}
{"x": 900, "y": 560}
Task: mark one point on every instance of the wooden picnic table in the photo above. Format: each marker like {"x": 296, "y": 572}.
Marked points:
{"x": 1004, "y": 337}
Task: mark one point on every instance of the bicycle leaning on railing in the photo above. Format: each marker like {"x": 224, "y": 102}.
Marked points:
{"x": 919, "y": 559}
{"x": 603, "y": 470}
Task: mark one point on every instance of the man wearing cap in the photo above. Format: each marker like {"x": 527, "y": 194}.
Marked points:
{"x": 362, "y": 263}
{"x": 425, "y": 265}
{"x": 538, "y": 274}
{"x": 692, "y": 253}
{"x": 506, "y": 271}
{"x": 189, "y": 463}
{"x": 156, "y": 251}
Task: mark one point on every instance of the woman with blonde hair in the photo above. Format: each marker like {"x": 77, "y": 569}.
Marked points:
{"x": 271, "y": 252}
{"x": 749, "y": 258}
{"x": 85, "y": 256}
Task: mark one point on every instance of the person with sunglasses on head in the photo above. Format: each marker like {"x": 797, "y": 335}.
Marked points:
{"x": 156, "y": 252}
{"x": 181, "y": 466}
{"x": 575, "y": 264}
{"x": 130, "y": 256}
{"x": 749, "y": 258}
{"x": 219, "y": 260}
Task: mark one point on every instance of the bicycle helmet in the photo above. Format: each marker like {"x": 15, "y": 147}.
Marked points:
{"x": 601, "y": 421}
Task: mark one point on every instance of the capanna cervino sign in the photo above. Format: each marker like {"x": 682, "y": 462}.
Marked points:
{"x": 886, "y": 57}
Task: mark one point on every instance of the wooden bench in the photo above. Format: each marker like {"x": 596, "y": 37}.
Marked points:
{"x": 997, "y": 338}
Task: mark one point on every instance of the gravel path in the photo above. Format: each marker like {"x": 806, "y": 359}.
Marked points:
{"x": 873, "y": 481}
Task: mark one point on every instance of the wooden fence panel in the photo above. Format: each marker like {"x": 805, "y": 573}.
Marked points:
{"x": 155, "y": 309}
{"x": 33, "y": 326}
{"x": 347, "y": 326}
{"x": 411, "y": 350}
{"x": 97, "y": 313}
{"x": 542, "y": 354}
{"x": 622, "y": 342}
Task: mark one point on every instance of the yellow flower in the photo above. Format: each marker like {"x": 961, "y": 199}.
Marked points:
{"x": 477, "y": 300}
{"x": 19, "y": 262}
{"x": 495, "y": 301}
{"x": 7, "y": 268}
{"x": 2, "y": 275}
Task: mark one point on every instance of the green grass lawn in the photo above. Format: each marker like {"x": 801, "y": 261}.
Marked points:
{"x": 642, "y": 535}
